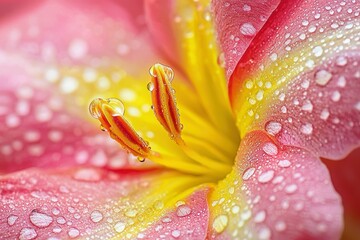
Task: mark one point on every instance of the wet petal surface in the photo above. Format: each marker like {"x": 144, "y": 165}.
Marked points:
{"x": 275, "y": 192}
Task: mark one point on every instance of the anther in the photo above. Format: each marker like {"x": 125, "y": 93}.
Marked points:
{"x": 164, "y": 102}
{"x": 110, "y": 113}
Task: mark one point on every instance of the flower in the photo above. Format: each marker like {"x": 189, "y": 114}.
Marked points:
{"x": 248, "y": 168}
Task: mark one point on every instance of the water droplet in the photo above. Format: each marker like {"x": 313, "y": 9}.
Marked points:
{"x": 264, "y": 233}
{"x": 40, "y": 219}
{"x": 308, "y": 106}
{"x": 57, "y": 229}
{"x": 280, "y": 226}
{"x": 94, "y": 108}
{"x": 357, "y": 106}
{"x": 117, "y": 106}
{"x": 12, "y": 219}
{"x": 325, "y": 114}
{"x": 317, "y": 51}
{"x": 131, "y": 213}
{"x": 307, "y": 129}
{"x": 266, "y": 176}
{"x": 235, "y": 209}
{"x": 291, "y": 188}
{"x": 220, "y": 223}
{"x": 270, "y": 149}
{"x": 336, "y": 96}
{"x": 248, "y": 173}
{"x": 119, "y": 227}
{"x": 284, "y": 163}
{"x": 341, "y": 61}
{"x": 341, "y": 82}
{"x": 322, "y": 77}
{"x": 96, "y": 216}
{"x": 260, "y": 217}
{"x": 27, "y": 234}
{"x": 273, "y": 128}
{"x": 150, "y": 86}
{"x": 273, "y": 57}
{"x": 183, "y": 210}
{"x": 175, "y": 233}
{"x": 73, "y": 232}
{"x": 248, "y": 29}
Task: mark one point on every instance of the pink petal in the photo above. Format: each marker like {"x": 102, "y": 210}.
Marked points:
{"x": 44, "y": 101}
{"x": 346, "y": 178}
{"x": 275, "y": 192}
{"x": 237, "y": 23}
{"x": 300, "y": 78}
{"x": 67, "y": 204}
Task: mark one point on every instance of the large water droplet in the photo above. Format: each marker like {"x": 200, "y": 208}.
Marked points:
{"x": 96, "y": 216}
{"x": 119, "y": 227}
{"x": 270, "y": 149}
{"x": 183, "y": 210}
{"x": 73, "y": 232}
{"x": 27, "y": 234}
{"x": 248, "y": 29}
{"x": 248, "y": 173}
{"x": 40, "y": 219}
{"x": 266, "y": 176}
{"x": 322, "y": 77}
{"x": 94, "y": 108}
{"x": 260, "y": 217}
{"x": 12, "y": 219}
{"x": 220, "y": 223}
{"x": 273, "y": 128}
{"x": 307, "y": 129}
{"x": 117, "y": 105}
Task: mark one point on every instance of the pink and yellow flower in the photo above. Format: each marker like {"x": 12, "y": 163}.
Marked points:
{"x": 249, "y": 96}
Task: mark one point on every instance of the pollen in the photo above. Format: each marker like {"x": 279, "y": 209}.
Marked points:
{"x": 164, "y": 101}
{"x": 110, "y": 113}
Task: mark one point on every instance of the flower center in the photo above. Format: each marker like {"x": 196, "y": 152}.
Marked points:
{"x": 212, "y": 159}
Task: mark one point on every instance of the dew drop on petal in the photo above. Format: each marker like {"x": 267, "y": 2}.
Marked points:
{"x": 96, "y": 216}
{"x": 247, "y": 29}
{"x": 27, "y": 234}
{"x": 284, "y": 163}
{"x": 280, "y": 226}
{"x": 119, "y": 227}
{"x": 273, "y": 128}
{"x": 264, "y": 233}
{"x": 291, "y": 188}
{"x": 12, "y": 219}
{"x": 183, "y": 211}
{"x": 307, "y": 129}
{"x": 73, "y": 232}
{"x": 260, "y": 217}
{"x": 266, "y": 176}
{"x": 40, "y": 219}
{"x": 341, "y": 61}
{"x": 270, "y": 149}
{"x": 220, "y": 223}
{"x": 248, "y": 173}
{"x": 322, "y": 77}
{"x": 175, "y": 233}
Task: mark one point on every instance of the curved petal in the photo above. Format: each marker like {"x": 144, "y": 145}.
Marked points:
{"x": 68, "y": 204}
{"x": 346, "y": 178}
{"x": 275, "y": 192}
{"x": 302, "y": 85}
{"x": 237, "y": 22}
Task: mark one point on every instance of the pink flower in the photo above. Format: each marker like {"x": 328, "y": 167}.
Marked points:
{"x": 242, "y": 163}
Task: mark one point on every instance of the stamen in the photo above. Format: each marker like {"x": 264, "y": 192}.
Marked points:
{"x": 164, "y": 102}
{"x": 110, "y": 113}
